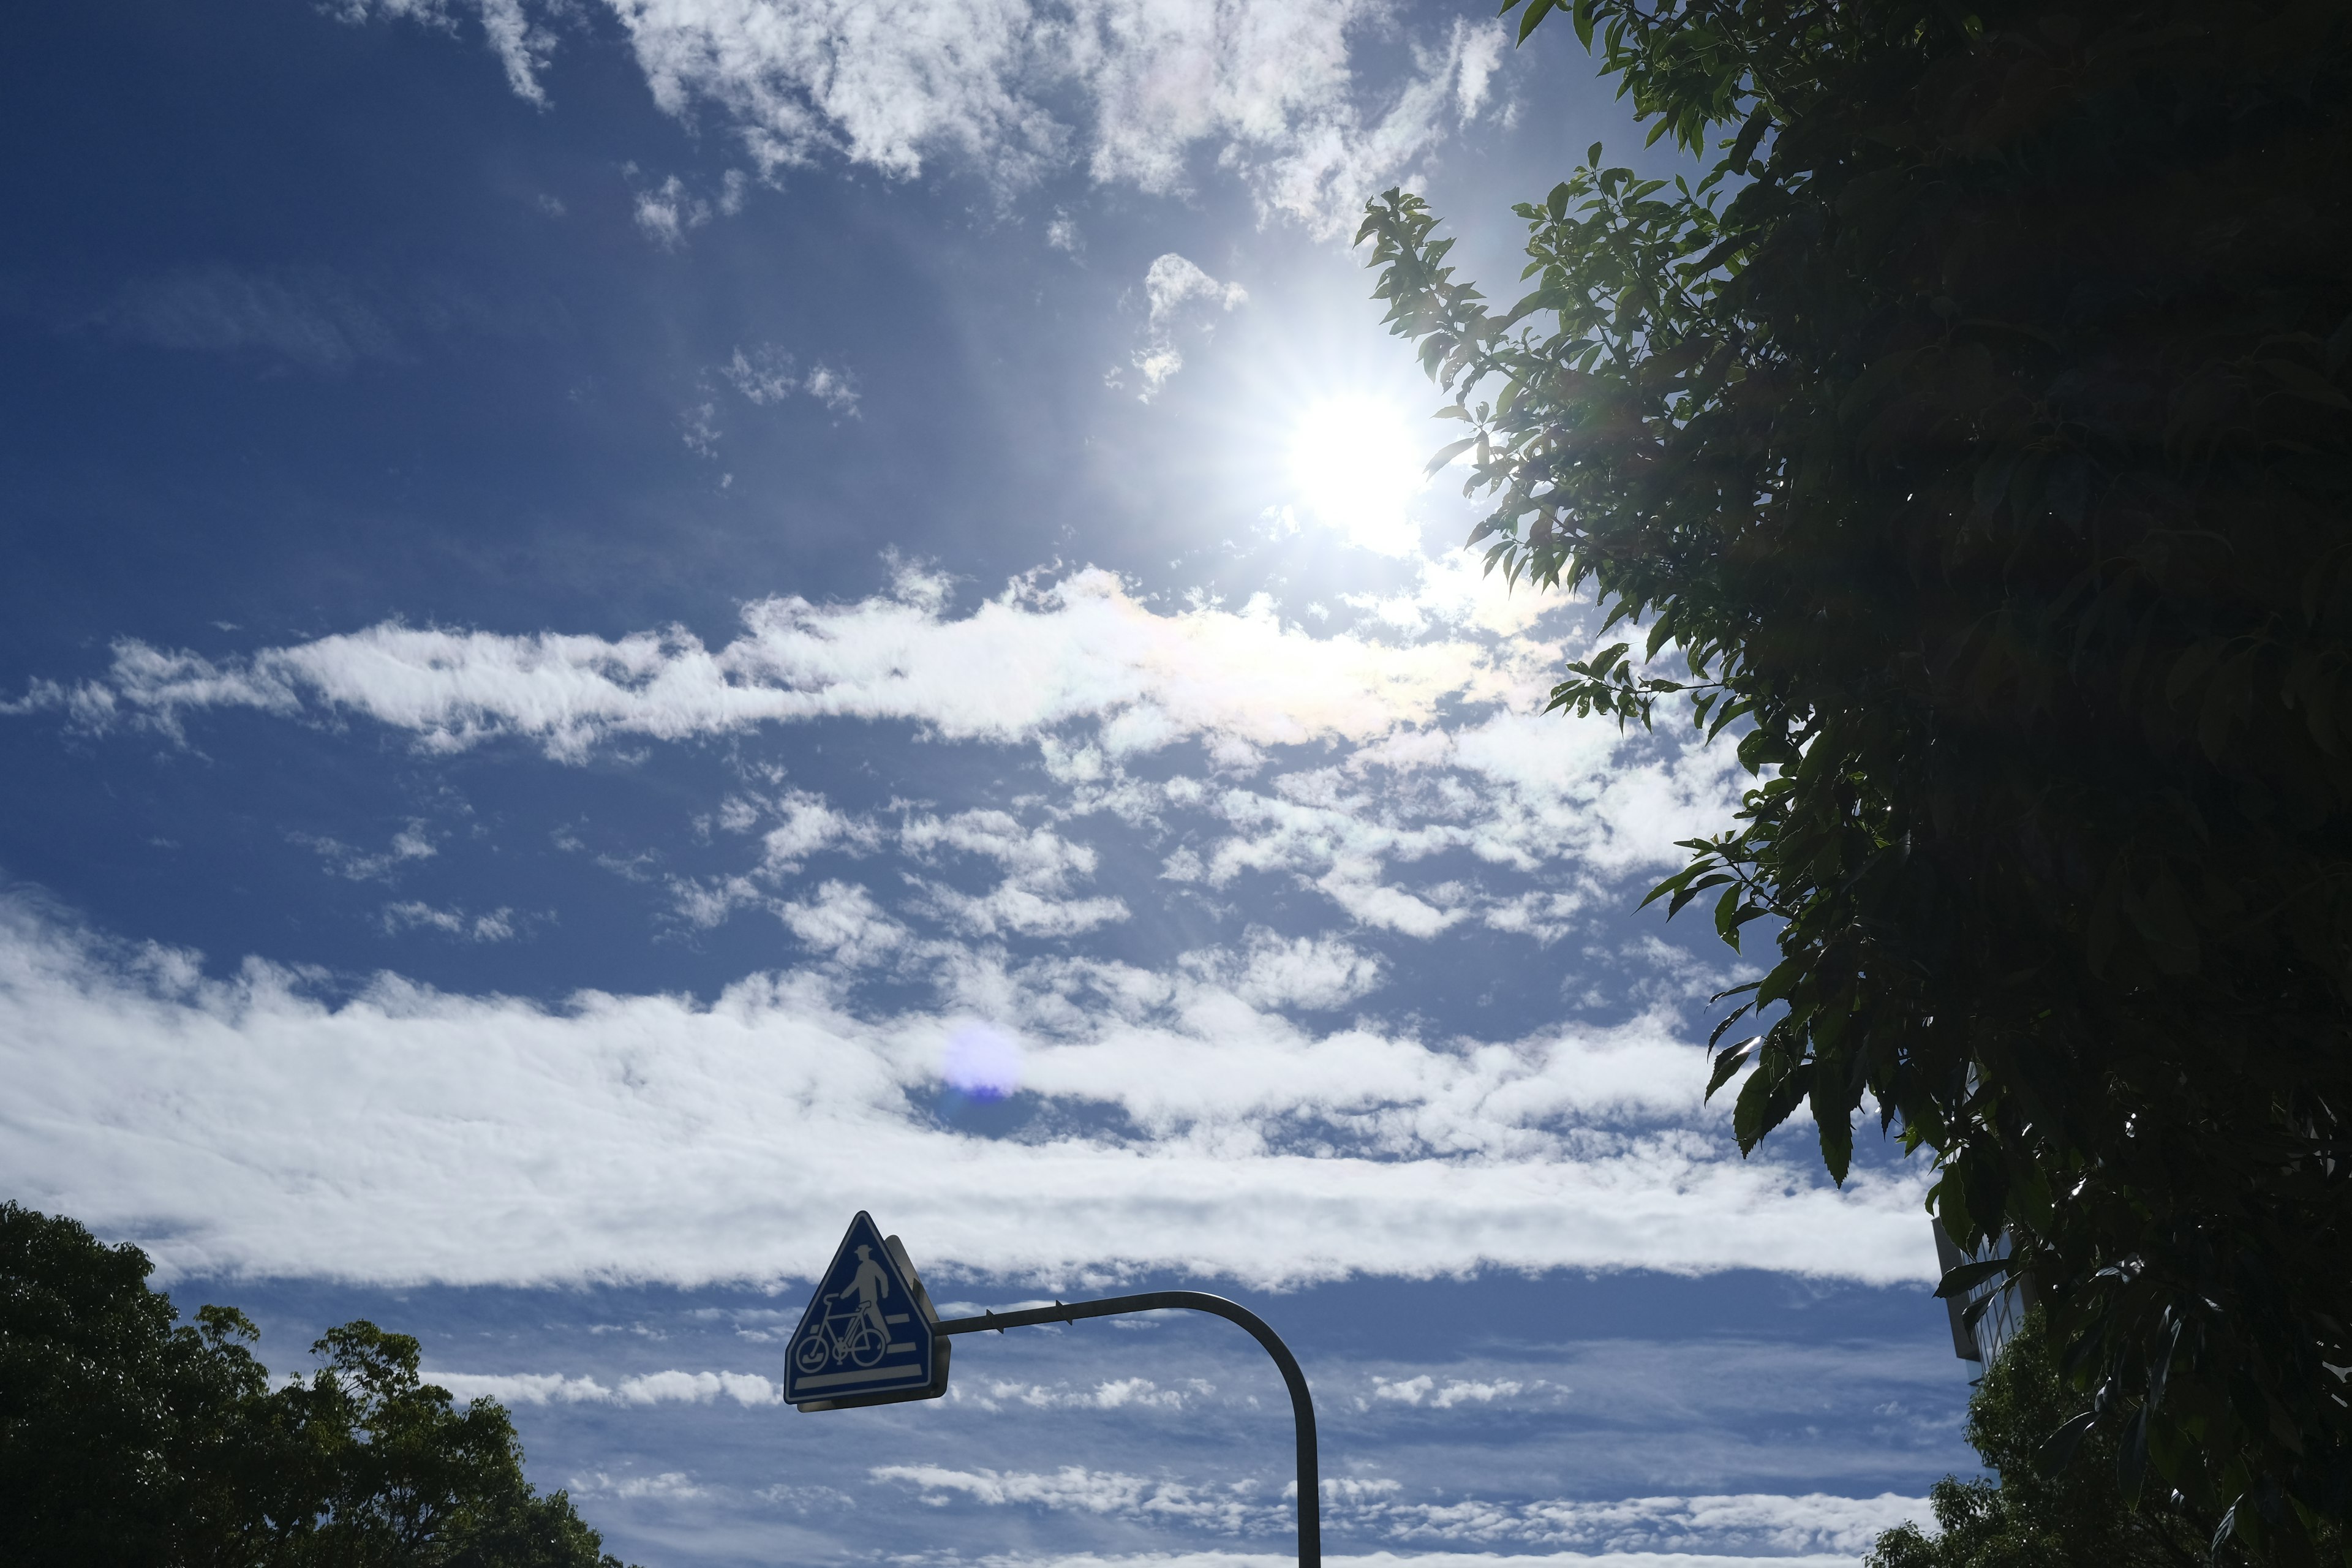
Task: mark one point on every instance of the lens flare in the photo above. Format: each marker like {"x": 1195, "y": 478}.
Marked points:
{"x": 981, "y": 1063}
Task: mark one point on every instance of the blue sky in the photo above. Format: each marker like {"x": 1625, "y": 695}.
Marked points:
{"x": 634, "y": 626}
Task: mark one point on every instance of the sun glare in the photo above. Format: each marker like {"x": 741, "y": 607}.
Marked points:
{"x": 1357, "y": 463}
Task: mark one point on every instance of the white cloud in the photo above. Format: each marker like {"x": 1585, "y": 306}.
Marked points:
{"x": 521, "y": 45}
{"x": 1136, "y": 1393}
{"x": 1415, "y": 1390}
{"x": 769, "y": 374}
{"x": 239, "y": 1125}
{"x": 1265, "y": 86}
{"x": 805, "y": 824}
{"x": 523, "y": 1388}
{"x": 1319, "y": 972}
{"x": 1652, "y": 1529}
{"x": 1011, "y": 908}
{"x": 668, "y": 1485}
{"x": 838, "y": 389}
{"x": 744, "y": 1388}
{"x": 1181, "y": 295}
{"x": 1033, "y": 658}
{"x": 843, "y": 923}
{"x": 698, "y": 428}
{"x": 1750, "y": 1522}
{"x": 499, "y": 925}
{"x": 1076, "y": 1489}
{"x": 1432, "y": 796}
{"x": 668, "y": 211}
{"x": 1478, "y": 51}
{"x": 1416, "y": 1560}
{"x": 1039, "y": 866}
{"x": 413, "y": 842}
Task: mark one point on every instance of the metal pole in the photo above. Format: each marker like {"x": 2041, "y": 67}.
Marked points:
{"x": 1302, "y": 1403}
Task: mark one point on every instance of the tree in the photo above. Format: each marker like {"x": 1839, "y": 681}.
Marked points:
{"x": 2029, "y": 1517}
{"x": 1972, "y": 440}
{"x": 126, "y": 1438}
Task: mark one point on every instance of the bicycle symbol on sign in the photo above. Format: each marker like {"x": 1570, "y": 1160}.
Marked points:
{"x": 852, "y": 1331}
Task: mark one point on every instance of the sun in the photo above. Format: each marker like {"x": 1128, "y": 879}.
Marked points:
{"x": 1355, "y": 463}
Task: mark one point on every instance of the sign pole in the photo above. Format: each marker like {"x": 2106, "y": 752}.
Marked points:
{"x": 1302, "y": 1403}
{"x": 870, "y": 1336}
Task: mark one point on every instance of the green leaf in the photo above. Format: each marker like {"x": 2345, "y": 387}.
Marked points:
{"x": 1834, "y": 1122}
{"x": 1968, "y": 1276}
{"x": 1766, "y": 1099}
{"x": 1536, "y": 11}
{"x": 1726, "y": 916}
{"x": 2131, "y": 1456}
{"x": 2307, "y": 384}
{"x": 2057, "y": 1450}
{"x": 1729, "y": 1061}
{"x": 1448, "y": 452}
{"x": 1703, "y": 884}
{"x": 1743, "y": 147}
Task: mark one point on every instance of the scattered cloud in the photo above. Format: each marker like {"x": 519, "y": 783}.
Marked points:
{"x": 671, "y": 210}
{"x": 521, "y": 44}
{"x": 1206, "y": 1559}
{"x": 1038, "y": 864}
{"x": 1417, "y": 1391}
{"x": 1745, "y": 1523}
{"x": 1180, "y": 296}
{"x": 668, "y": 1486}
{"x": 413, "y": 842}
{"x": 842, "y": 923}
{"x": 499, "y": 925}
{"x": 1391, "y": 765}
{"x": 1017, "y": 89}
{"x": 769, "y": 374}
{"x": 1076, "y": 1489}
{"x": 1319, "y": 971}
{"x": 1130, "y": 1394}
{"x": 1653, "y": 1529}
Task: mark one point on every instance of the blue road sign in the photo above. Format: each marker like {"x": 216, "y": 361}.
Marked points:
{"x": 867, "y": 1336}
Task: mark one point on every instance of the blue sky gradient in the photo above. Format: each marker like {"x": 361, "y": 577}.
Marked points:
{"x": 606, "y": 595}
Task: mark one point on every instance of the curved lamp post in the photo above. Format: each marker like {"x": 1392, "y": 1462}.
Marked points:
{"x": 1302, "y": 1403}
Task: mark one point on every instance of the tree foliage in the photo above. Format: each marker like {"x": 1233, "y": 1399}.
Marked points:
{"x": 2031, "y": 1516}
{"x": 1975, "y": 430}
{"x": 128, "y": 1438}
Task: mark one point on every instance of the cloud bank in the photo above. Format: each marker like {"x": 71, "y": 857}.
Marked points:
{"x": 244, "y": 1127}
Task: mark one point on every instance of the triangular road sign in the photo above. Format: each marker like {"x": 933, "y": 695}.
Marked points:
{"x": 867, "y": 1336}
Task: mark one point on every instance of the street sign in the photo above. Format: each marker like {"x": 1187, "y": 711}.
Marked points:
{"x": 867, "y": 1337}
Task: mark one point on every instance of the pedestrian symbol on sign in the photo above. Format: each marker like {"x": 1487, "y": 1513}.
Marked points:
{"x": 867, "y": 1336}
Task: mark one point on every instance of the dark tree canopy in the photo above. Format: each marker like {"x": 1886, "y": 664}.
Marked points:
{"x": 1975, "y": 435}
{"x": 128, "y": 1439}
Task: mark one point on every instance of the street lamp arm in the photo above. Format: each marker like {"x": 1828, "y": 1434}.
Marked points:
{"x": 1302, "y": 1403}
